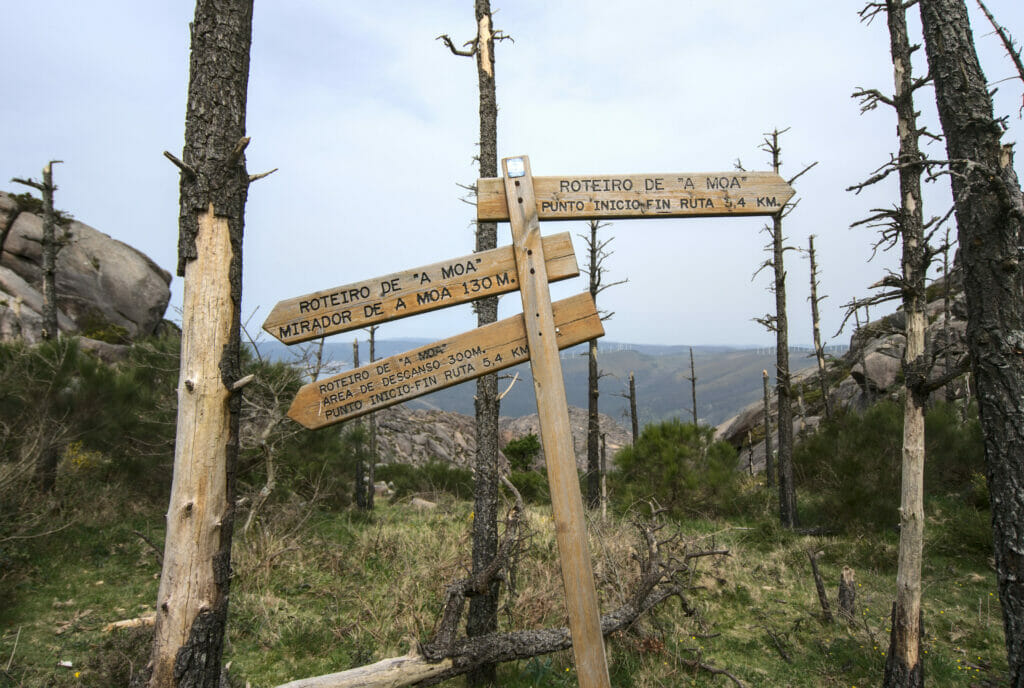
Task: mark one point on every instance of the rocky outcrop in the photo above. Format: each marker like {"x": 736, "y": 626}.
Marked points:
{"x": 416, "y": 436}
{"x": 871, "y": 369}
{"x": 616, "y": 437}
{"x": 103, "y": 285}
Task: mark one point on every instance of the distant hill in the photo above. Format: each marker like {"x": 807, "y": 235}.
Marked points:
{"x": 727, "y": 378}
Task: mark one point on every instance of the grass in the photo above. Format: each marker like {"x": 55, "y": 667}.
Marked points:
{"x": 316, "y": 591}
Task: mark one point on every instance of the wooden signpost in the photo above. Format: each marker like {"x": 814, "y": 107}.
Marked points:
{"x": 536, "y": 335}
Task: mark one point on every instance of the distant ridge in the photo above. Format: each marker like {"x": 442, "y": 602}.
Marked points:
{"x": 728, "y": 378}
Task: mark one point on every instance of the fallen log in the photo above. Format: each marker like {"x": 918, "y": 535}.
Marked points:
{"x": 468, "y": 653}
{"x": 662, "y": 570}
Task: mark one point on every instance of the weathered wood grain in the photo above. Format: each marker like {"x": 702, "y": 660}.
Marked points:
{"x": 433, "y": 367}
{"x": 680, "y": 194}
{"x": 418, "y": 290}
{"x": 556, "y": 434}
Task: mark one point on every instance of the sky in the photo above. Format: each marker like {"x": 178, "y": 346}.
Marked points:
{"x": 373, "y": 125}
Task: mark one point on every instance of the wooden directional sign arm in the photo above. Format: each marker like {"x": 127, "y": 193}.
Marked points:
{"x": 430, "y": 368}
{"x": 682, "y": 194}
{"x": 556, "y": 435}
{"x": 401, "y": 294}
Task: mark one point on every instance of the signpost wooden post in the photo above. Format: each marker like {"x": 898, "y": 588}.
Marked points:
{"x": 556, "y": 435}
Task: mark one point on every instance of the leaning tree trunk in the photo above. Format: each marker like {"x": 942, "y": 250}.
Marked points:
{"x": 990, "y": 219}
{"x": 903, "y": 667}
{"x": 482, "y": 617}
{"x": 193, "y": 598}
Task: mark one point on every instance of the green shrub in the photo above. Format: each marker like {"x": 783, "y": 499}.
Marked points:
{"x": 433, "y": 478}
{"x": 682, "y": 467}
{"x": 852, "y": 465}
{"x": 522, "y": 452}
{"x": 532, "y": 485}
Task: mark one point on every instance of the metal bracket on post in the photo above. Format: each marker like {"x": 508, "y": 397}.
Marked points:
{"x": 556, "y": 436}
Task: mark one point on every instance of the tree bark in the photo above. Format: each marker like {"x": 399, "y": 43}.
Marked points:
{"x": 783, "y": 391}
{"x": 482, "y": 617}
{"x": 593, "y": 430}
{"x": 632, "y": 408}
{"x": 847, "y": 595}
{"x": 193, "y": 597}
{"x": 903, "y": 667}
{"x": 371, "y": 422}
{"x": 990, "y": 219}
{"x": 593, "y": 424}
{"x": 49, "y": 251}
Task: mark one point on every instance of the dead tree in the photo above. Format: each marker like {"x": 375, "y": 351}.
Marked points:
{"x": 905, "y": 224}
{"x": 631, "y": 395}
{"x": 597, "y": 254}
{"x": 483, "y": 609}
{"x": 819, "y": 350}
{"x": 49, "y": 249}
{"x": 990, "y": 219}
{"x": 192, "y": 601}
{"x": 693, "y": 387}
{"x": 769, "y": 452}
{"x": 371, "y": 423}
{"x": 779, "y": 324}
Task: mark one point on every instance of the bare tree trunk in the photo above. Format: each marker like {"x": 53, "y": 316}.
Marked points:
{"x": 632, "y": 408}
{"x": 693, "y": 387}
{"x": 482, "y": 617}
{"x": 593, "y": 430}
{"x": 903, "y": 667}
{"x": 48, "y": 249}
{"x": 819, "y": 351}
{"x": 847, "y": 595}
{"x": 604, "y": 477}
{"x": 990, "y": 218}
{"x": 593, "y": 424}
{"x": 783, "y": 391}
{"x": 769, "y": 452}
{"x": 193, "y": 597}
{"x": 371, "y": 422}
{"x": 359, "y": 488}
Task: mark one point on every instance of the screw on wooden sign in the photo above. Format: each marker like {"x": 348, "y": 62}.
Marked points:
{"x": 433, "y": 367}
{"x": 686, "y": 194}
{"x": 409, "y": 292}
